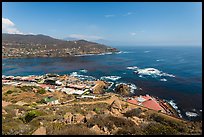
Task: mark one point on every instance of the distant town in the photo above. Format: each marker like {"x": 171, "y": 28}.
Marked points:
{"x": 22, "y": 46}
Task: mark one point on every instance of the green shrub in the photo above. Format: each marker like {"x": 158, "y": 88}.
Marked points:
{"x": 41, "y": 91}
{"x": 133, "y": 112}
{"x": 9, "y": 92}
{"x": 179, "y": 126}
{"x": 159, "y": 129}
{"x": 56, "y": 129}
{"x": 42, "y": 101}
{"x": 97, "y": 110}
{"x": 30, "y": 116}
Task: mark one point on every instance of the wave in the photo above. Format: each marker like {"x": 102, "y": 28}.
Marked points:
{"x": 174, "y": 105}
{"x": 147, "y": 51}
{"x": 107, "y": 53}
{"x": 112, "y": 78}
{"x": 163, "y": 79}
{"x": 149, "y": 71}
{"x": 82, "y": 77}
{"x": 160, "y": 60}
{"x": 83, "y": 70}
{"x": 132, "y": 68}
{"x": 122, "y": 52}
{"x": 191, "y": 114}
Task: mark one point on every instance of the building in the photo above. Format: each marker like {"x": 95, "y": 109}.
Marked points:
{"x": 51, "y": 101}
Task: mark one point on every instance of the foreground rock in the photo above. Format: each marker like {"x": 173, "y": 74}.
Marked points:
{"x": 116, "y": 108}
{"x": 40, "y": 131}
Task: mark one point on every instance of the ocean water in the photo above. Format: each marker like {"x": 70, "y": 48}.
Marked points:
{"x": 170, "y": 73}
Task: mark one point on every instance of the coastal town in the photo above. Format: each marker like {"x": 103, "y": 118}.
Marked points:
{"x": 83, "y": 89}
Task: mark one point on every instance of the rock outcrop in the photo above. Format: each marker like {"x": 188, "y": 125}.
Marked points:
{"x": 116, "y": 107}
{"x": 40, "y": 131}
{"x": 68, "y": 118}
{"x": 123, "y": 89}
{"x": 99, "y": 87}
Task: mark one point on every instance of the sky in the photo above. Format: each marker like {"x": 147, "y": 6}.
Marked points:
{"x": 119, "y": 23}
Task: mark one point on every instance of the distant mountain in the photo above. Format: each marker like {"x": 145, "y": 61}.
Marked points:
{"x": 70, "y": 39}
{"x": 33, "y": 43}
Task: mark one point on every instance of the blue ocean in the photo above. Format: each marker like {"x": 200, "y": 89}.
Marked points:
{"x": 170, "y": 73}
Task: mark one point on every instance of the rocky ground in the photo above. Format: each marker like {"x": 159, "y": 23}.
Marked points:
{"x": 23, "y": 114}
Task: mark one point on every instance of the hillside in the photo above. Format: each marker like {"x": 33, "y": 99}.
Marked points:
{"x": 24, "y": 113}
{"x": 17, "y": 45}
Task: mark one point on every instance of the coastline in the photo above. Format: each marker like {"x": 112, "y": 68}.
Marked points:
{"x": 80, "y": 55}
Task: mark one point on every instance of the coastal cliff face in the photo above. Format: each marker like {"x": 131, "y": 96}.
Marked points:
{"x": 17, "y": 45}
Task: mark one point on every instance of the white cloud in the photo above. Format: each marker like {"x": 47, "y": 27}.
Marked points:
{"x": 137, "y": 32}
{"x": 85, "y": 37}
{"x": 110, "y": 15}
{"x": 9, "y": 27}
{"x": 129, "y": 13}
{"x": 133, "y": 33}
{"x": 7, "y": 22}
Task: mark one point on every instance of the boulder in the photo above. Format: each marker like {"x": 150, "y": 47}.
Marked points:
{"x": 99, "y": 87}
{"x": 78, "y": 118}
{"x": 123, "y": 89}
{"x": 96, "y": 129}
{"x": 4, "y": 103}
{"x": 116, "y": 108}
{"x": 90, "y": 114}
{"x": 4, "y": 111}
{"x": 116, "y": 105}
{"x": 16, "y": 111}
{"x": 142, "y": 115}
{"x": 20, "y": 103}
{"x": 68, "y": 118}
{"x": 40, "y": 131}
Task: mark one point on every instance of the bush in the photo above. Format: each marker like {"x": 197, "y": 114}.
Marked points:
{"x": 9, "y": 92}
{"x": 42, "y": 101}
{"x": 179, "y": 126}
{"x": 30, "y": 116}
{"x": 159, "y": 129}
{"x": 97, "y": 110}
{"x": 110, "y": 121}
{"x": 27, "y": 88}
{"x": 133, "y": 112}
{"x": 59, "y": 129}
{"x": 41, "y": 91}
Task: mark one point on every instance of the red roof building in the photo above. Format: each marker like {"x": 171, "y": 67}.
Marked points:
{"x": 152, "y": 104}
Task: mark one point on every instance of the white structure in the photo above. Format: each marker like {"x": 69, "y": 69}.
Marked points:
{"x": 58, "y": 83}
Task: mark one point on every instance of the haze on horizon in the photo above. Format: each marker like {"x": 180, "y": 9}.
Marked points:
{"x": 115, "y": 23}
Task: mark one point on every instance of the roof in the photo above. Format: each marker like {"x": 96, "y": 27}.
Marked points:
{"x": 152, "y": 104}
{"x": 133, "y": 101}
{"x": 140, "y": 99}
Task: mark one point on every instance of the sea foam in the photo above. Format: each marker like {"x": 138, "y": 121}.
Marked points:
{"x": 112, "y": 78}
{"x": 83, "y": 70}
{"x": 191, "y": 114}
{"x": 173, "y": 104}
{"x": 149, "y": 71}
{"x": 132, "y": 68}
{"x": 82, "y": 77}
{"x": 163, "y": 79}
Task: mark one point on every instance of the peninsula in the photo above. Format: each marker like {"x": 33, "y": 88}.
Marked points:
{"x": 22, "y": 46}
